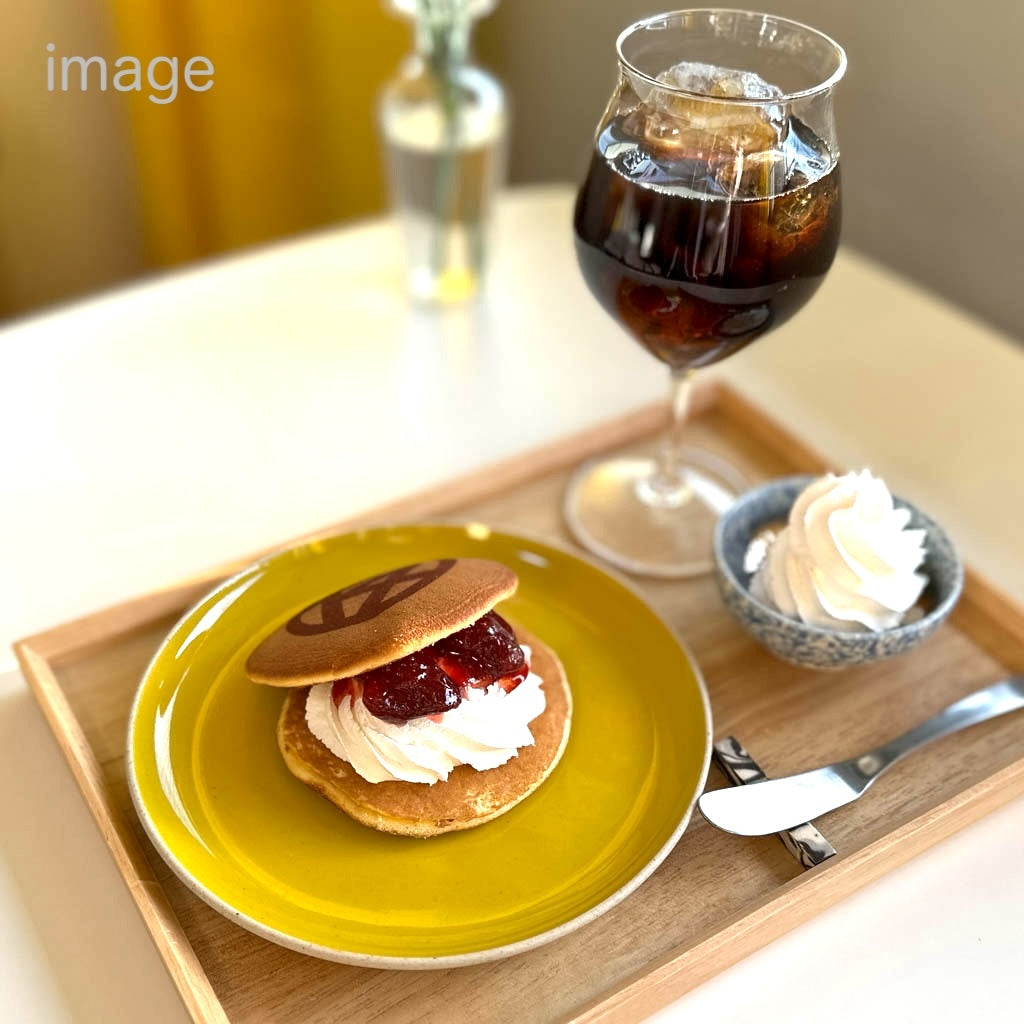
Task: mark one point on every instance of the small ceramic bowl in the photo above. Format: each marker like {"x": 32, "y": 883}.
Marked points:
{"x": 816, "y": 646}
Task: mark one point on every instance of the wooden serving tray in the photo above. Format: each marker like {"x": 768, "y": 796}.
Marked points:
{"x": 716, "y": 897}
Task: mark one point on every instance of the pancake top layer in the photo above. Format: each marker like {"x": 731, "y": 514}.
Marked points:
{"x": 378, "y": 620}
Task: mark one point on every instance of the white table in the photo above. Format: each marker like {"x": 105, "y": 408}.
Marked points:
{"x": 157, "y": 431}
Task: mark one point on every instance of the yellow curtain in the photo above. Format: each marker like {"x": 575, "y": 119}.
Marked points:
{"x": 286, "y": 138}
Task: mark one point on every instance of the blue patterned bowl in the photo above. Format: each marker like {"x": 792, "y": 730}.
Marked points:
{"x": 815, "y": 646}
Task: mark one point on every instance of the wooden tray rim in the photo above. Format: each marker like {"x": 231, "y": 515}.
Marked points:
{"x": 995, "y": 621}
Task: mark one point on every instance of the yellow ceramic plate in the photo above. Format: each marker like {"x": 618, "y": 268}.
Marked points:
{"x": 215, "y": 797}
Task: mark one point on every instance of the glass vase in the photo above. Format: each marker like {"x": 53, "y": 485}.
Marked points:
{"x": 444, "y": 125}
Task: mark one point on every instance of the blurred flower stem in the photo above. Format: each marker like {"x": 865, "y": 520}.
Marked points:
{"x": 443, "y": 39}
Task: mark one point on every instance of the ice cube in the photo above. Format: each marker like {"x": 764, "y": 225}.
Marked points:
{"x": 803, "y": 214}
{"x": 717, "y": 83}
{"x": 730, "y": 136}
{"x": 724, "y": 83}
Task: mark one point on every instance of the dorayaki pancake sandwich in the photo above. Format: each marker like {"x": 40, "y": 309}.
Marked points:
{"x": 413, "y": 705}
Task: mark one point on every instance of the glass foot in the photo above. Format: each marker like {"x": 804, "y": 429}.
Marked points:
{"x": 614, "y": 509}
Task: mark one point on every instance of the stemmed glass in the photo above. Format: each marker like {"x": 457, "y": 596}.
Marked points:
{"x": 709, "y": 215}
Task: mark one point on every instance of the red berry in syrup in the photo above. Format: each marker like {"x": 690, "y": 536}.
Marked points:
{"x": 427, "y": 683}
{"x": 343, "y": 688}
{"x": 484, "y": 651}
{"x": 411, "y": 687}
{"x": 513, "y": 679}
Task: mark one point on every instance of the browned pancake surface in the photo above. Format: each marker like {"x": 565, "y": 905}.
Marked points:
{"x": 468, "y": 797}
{"x": 380, "y": 619}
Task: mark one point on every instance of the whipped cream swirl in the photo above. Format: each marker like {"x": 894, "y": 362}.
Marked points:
{"x": 485, "y": 730}
{"x": 845, "y": 560}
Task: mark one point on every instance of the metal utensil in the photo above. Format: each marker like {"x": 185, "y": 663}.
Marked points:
{"x": 761, "y": 808}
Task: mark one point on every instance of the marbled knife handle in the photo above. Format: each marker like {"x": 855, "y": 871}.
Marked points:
{"x": 805, "y": 842}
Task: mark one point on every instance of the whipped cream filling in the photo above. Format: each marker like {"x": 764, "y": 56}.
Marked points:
{"x": 486, "y": 730}
{"x": 845, "y": 559}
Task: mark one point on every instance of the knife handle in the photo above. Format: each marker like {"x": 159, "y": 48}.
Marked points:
{"x": 990, "y": 702}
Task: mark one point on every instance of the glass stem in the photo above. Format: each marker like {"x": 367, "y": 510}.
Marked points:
{"x": 668, "y": 487}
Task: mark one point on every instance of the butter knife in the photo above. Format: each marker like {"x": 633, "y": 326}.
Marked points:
{"x": 772, "y": 805}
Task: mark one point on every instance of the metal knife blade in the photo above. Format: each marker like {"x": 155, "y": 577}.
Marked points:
{"x": 772, "y": 805}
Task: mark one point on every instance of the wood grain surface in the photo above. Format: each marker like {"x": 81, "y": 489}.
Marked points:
{"x": 715, "y": 899}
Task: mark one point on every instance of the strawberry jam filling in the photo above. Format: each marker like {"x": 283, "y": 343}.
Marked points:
{"x": 435, "y": 679}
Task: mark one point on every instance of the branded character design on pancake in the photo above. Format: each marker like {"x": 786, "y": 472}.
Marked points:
{"x": 413, "y": 705}
{"x": 367, "y": 599}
